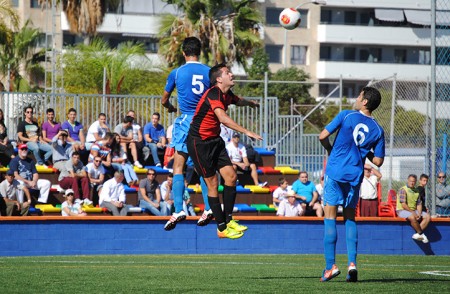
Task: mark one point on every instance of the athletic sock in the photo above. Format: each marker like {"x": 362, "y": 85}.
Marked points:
{"x": 329, "y": 242}
{"x": 229, "y": 198}
{"x": 178, "y": 192}
{"x": 204, "y": 193}
{"x": 351, "y": 237}
{"x": 217, "y": 211}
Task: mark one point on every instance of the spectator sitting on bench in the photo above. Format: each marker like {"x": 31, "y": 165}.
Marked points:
{"x": 73, "y": 175}
{"x": 155, "y": 137}
{"x": 25, "y": 172}
{"x": 6, "y": 147}
{"x": 69, "y": 207}
{"x": 61, "y": 149}
{"x": 12, "y": 192}
{"x": 238, "y": 156}
{"x": 289, "y": 206}
{"x": 306, "y": 191}
{"x": 280, "y": 193}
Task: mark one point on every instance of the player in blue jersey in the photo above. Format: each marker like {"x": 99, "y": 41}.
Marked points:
{"x": 358, "y": 137}
{"x": 191, "y": 81}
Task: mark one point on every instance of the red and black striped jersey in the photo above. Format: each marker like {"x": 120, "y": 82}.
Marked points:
{"x": 205, "y": 123}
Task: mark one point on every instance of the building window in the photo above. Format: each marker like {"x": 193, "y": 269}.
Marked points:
{"x": 274, "y": 52}
{"x": 349, "y": 54}
{"x": 325, "y": 16}
{"x": 350, "y": 17}
{"x": 15, "y": 3}
{"x": 442, "y": 55}
{"x": 400, "y": 56}
{"x": 34, "y": 4}
{"x": 273, "y": 14}
{"x": 298, "y": 54}
{"x": 325, "y": 52}
{"x": 424, "y": 57}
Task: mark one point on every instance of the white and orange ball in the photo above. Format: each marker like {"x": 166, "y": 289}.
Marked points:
{"x": 290, "y": 18}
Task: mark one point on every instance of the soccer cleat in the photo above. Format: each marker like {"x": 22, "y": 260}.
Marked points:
{"x": 329, "y": 274}
{"x": 352, "y": 275}
{"x": 235, "y": 226}
{"x": 206, "y": 217}
{"x": 229, "y": 233}
{"x": 424, "y": 238}
{"x": 418, "y": 237}
{"x": 174, "y": 219}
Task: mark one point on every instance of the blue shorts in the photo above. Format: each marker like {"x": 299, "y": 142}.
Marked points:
{"x": 338, "y": 193}
{"x": 180, "y": 132}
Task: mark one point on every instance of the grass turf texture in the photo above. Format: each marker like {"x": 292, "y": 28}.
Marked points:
{"x": 220, "y": 274}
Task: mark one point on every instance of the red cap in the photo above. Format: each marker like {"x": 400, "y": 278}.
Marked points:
{"x": 22, "y": 146}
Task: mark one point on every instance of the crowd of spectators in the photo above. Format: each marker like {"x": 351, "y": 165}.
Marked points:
{"x": 86, "y": 162}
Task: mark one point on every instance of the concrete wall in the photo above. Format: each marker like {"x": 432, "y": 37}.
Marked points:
{"x": 145, "y": 235}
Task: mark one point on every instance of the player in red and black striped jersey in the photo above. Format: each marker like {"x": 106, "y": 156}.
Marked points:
{"x": 207, "y": 149}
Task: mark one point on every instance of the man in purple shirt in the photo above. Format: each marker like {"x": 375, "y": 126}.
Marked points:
{"x": 50, "y": 128}
{"x": 75, "y": 129}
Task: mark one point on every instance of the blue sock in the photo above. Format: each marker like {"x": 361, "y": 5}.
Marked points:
{"x": 329, "y": 242}
{"x": 351, "y": 237}
{"x": 204, "y": 193}
{"x": 178, "y": 191}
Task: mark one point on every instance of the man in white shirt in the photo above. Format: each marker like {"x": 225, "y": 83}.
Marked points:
{"x": 368, "y": 191}
{"x": 290, "y": 206}
{"x": 12, "y": 192}
{"x": 167, "y": 195}
{"x": 112, "y": 195}
{"x": 97, "y": 130}
{"x": 138, "y": 139}
{"x": 238, "y": 156}
{"x": 96, "y": 175}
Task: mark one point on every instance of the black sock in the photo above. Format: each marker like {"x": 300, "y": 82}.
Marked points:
{"x": 216, "y": 208}
{"x": 229, "y": 198}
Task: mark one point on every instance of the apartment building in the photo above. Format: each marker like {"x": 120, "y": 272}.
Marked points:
{"x": 357, "y": 41}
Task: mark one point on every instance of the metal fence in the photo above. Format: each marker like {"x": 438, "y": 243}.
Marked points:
{"x": 404, "y": 114}
{"x": 440, "y": 91}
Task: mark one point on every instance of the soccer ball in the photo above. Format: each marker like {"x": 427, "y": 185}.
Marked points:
{"x": 290, "y": 18}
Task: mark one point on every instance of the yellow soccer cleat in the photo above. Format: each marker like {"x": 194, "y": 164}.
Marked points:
{"x": 237, "y": 227}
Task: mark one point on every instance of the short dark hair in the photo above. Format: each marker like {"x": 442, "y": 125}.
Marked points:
{"x": 75, "y": 153}
{"x": 424, "y": 176}
{"x": 50, "y": 110}
{"x": 372, "y": 96}
{"x": 215, "y": 72}
{"x": 128, "y": 119}
{"x": 412, "y": 176}
{"x": 281, "y": 181}
{"x": 27, "y": 107}
{"x": 191, "y": 46}
{"x": 157, "y": 114}
{"x": 170, "y": 175}
{"x": 71, "y": 110}
{"x": 101, "y": 114}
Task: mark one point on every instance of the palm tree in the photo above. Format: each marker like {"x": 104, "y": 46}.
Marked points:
{"x": 84, "y": 16}
{"x": 8, "y": 16}
{"x": 228, "y": 30}
{"x": 18, "y": 54}
{"x": 84, "y": 64}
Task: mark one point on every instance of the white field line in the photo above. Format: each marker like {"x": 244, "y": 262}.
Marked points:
{"x": 224, "y": 262}
{"x": 437, "y": 273}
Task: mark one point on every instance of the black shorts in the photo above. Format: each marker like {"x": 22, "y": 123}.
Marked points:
{"x": 208, "y": 156}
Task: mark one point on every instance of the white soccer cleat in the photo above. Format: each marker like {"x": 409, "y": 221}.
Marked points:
{"x": 174, "y": 219}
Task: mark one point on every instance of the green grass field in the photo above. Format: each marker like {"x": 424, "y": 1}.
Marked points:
{"x": 220, "y": 274}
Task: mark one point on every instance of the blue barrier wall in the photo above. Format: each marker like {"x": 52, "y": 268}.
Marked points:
{"x": 61, "y": 236}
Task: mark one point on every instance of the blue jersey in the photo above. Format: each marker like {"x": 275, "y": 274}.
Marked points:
{"x": 357, "y": 135}
{"x": 191, "y": 80}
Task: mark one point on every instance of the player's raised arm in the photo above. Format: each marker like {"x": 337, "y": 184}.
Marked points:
{"x": 229, "y": 122}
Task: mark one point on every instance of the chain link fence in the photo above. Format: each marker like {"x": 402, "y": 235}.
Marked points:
{"x": 441, "y": 85}
{"x": 404, "y": 114}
